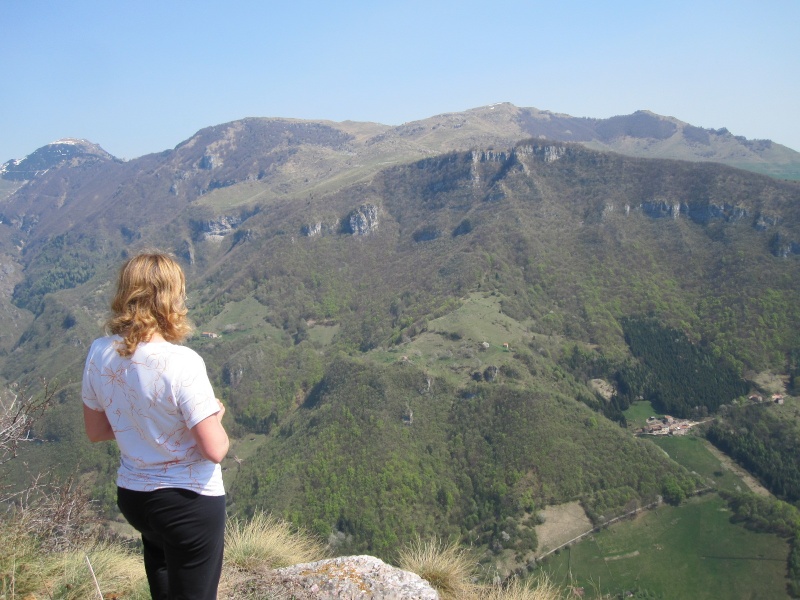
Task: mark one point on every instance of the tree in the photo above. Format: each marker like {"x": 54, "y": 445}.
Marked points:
{"x": 672, "y": 491}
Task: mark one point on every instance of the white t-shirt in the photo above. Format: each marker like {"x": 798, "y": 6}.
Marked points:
{"x": 152, "y": 400}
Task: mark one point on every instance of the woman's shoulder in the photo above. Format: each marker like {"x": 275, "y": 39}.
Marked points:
{"x": 105, "y": 342}
{"x": 177, "y": 352}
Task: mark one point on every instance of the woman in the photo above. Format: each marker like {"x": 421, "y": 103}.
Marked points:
{"x": 154, "y": 397}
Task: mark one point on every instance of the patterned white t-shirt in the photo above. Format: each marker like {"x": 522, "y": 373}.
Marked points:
{"x": 152, "y": 400}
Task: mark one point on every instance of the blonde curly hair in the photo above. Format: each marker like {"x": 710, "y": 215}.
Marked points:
{"x": 150, "y": 298}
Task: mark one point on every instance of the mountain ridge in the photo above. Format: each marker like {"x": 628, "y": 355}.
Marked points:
{"x": 503, "y": 124}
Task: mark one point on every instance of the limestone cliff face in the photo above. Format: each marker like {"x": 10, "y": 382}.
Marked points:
{"x": 219, "y": 227}
{"x": 312, "y": 229}
{"x": 319, "y": 227}
{"x": 783, "y": 247}
{"x": 363, "y": 220}
{"x": 697, "y": 212}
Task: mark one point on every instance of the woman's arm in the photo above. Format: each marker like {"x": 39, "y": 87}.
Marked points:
{"x": 210, "y": 436}
{"x": 98, "y": 429}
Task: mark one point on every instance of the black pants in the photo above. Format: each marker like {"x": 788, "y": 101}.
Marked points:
{"x": 183, "y": 536}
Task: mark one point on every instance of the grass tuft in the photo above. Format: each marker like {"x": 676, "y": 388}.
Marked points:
{"x": 266, "y": 541}
{"x": 449, "y": 568}
{"x": 541, "y": 589}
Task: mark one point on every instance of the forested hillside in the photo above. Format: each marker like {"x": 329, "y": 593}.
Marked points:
{"x": 380, "y": 454}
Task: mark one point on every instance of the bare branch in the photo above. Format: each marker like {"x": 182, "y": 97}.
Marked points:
{"x": 57, "y": 513}
{"x": 18, "y": 415}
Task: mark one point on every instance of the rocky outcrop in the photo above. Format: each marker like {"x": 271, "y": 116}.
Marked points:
{"x": 347, "y": 577}
{"x": 215, "y": 229}
{"x": 232, "y": 375}
{"x": 209, "y": 162}
{"x": 699, "y": 213}
{"x": 546, "y": 152}
{"x": 764, "y": 222}
{"x": 703, "y": 214}
{"x": 311, "y": 229}
{"x": 782, "y": 247}
{"x": 362, "y": 221}
{"x": 659, "y": 209}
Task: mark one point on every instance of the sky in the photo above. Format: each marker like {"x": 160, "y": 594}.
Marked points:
{"x": 142, "y": 77}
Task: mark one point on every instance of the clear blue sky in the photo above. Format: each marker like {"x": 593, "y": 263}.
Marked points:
{"x": 141, "y": 77}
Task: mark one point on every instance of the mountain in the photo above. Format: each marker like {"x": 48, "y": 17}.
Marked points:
{"x": 66, "y": 151}
{"x": 406, "y": 322}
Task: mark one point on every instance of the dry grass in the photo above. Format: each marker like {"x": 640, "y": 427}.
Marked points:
{"x": 449, "y": 568}
{"x": 267, "y": 542}
{"x": 542, "y": 589}
{"x": 119, "y": 573}
{"x": 32, "y": 568}
{"x": 20, "y": 568}
{"x": 452, "y": 570}
{"x": 28, "y": 572}
{"x": 50, "y": 547}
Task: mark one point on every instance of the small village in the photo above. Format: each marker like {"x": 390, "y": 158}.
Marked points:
{"x": 666, "y": 425}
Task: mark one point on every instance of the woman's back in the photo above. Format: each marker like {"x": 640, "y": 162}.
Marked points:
{"x": 152, "y": 400}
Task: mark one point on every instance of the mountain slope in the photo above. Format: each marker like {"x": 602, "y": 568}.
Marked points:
{"x": 379, "y": 455}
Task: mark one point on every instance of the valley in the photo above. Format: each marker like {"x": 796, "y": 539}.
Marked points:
{"x": 450, "y": 329}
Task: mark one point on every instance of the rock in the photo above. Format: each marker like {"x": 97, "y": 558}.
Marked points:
{"x": 311, "y": 229}
{"x": 363, "y": 220}
{"x": 351, "y": 578}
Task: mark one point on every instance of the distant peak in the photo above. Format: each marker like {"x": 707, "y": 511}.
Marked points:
{"x": 80, "y": 145}
{"x": 73, "y": 141}
{"x": 63, "y": 151}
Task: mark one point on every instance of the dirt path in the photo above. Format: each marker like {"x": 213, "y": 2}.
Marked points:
{"x": 728, "y": 463}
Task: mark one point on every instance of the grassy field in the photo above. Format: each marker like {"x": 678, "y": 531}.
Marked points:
{"x": 638, "y": 413}
{"x": 470, "y": 338}
{"x": 692, "y": 452}
{"x": 691, "y": 551}
{"x": 243, "y": 315}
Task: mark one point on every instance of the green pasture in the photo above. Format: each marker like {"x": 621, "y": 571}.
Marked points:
{"x": 692, "y": 452}
{"x": 453, "y": 344}
{"x": 638, "y": 413}
{"x": 322, "y": 335}
{"x": 245, "y": 315}
{"x": 691, "y": 551}
{"x": 246, "y": 192}
{"x": 480, "y": 318}
{"x": 471, "y": 337}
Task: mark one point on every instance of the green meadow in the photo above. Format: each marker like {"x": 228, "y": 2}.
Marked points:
{"x": 692, "y": 452}
{"x": 691, "y": 551}
{"x": 638, "y": 413}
